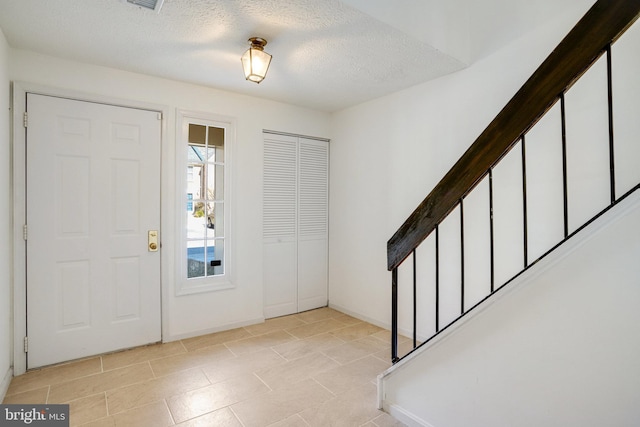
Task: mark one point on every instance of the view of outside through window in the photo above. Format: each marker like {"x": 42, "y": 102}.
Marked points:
{"x": 205, "y": 201}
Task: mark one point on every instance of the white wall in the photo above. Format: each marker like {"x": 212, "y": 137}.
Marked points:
{"x": 559, "y": 349}
{"x": 387, "y": 155}
{"x": 6, "y": 332}
{"x": 193, "y": 314}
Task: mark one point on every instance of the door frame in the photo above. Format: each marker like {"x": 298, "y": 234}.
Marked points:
{"x": 19, "y": 92}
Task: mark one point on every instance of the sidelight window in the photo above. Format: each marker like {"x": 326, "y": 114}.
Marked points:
{"x": 204, "y": 254}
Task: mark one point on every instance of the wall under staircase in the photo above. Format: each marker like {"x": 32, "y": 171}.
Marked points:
{"x": 561, "y": 347}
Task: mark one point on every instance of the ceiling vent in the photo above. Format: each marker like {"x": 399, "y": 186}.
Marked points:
{"x": 148, "y": 4}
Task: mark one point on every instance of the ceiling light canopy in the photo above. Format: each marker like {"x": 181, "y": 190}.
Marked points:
{"x": 255, "y": 61}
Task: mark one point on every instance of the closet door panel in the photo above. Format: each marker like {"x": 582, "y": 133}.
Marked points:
{"x": 313, "y": 225}
{"x": 280, "y": 199}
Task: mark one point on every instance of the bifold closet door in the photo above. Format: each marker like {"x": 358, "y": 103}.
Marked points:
{"x": 295, "y": 224}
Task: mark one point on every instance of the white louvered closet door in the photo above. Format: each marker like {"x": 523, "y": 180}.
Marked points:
{"x": 295, "y": 224}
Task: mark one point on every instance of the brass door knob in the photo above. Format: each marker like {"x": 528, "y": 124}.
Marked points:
{"x": 153, "y": 240}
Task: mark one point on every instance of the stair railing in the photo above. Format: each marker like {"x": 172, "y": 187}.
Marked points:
{"x": 591, "y": 38}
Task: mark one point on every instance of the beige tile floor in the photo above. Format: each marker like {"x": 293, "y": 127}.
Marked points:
{"x": 316, "y": 368}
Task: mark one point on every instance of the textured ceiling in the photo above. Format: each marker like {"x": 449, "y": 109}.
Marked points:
{"x": 327, "y": 54}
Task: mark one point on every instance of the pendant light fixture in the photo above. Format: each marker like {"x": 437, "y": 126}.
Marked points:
{"x": 255, "y": 61}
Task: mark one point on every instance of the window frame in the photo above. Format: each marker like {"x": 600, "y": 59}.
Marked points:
{"x": 185, "y": 285}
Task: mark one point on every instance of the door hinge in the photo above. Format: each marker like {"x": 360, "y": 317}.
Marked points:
{"x": 26, "y": 344}
{"x": 25, "y": 119}
{"x": 24, "y": 232}
{"x": 159, "y": 116}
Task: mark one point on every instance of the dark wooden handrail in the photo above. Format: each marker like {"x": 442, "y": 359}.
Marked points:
{"x": 602, "y": 25}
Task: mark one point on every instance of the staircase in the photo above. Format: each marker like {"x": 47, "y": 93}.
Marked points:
{"x": 553, "y": 173}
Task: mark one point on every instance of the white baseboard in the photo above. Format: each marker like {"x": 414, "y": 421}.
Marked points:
{"x": 4, "y": 385}
{"x": 376, "y": 322}
{"x": 362, "y": 317}
{"x": 406, "y": 417}
{"x": 226, "y": 327}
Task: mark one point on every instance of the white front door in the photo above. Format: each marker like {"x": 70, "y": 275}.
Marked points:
{"x": 93, "y": 194}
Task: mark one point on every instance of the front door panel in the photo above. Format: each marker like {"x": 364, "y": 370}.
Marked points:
{"x": 93, "y": 193}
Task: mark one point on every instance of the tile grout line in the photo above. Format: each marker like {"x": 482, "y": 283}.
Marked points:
{"x": 152, "y": 371}
{"x": 262, "y": 381}
{"x": 332, "y": 359}
{"x": 224, "y": 344}
{"x": 106, "y": 402}
{"x": 153, "y": 374}
{"x": 205, "y": 376}
{"x": 273, "y": 350}
{"x": 306, "y": 423}
{"x": 166, "y": 404}
{"x": 236, "y": 415}
{"x": 321, "y": 385}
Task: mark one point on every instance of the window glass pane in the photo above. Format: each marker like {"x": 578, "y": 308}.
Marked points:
{"x": 215, "y": 220}
{"x": 197, "y": 134}
{"x": 215, "y": 154}
{"x": 195, "y": 259}
{"x": 215, "y": 257}
{"x": 195, "y": 180}
{"x": 211, "y": 154}
{"x": 216, "y": 138}
{"x": 219, "y": 153}
{"x": 215, "y": 182}
{"x": 219, "y": 211}
{"x": 196, "y": 221}
{"x": 189, "y": 202}
{"x": 211, "y": 220}
{"x": 197, "y": 153}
